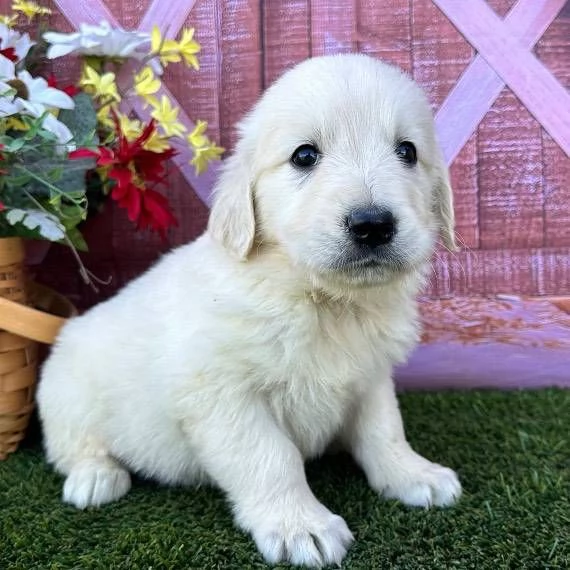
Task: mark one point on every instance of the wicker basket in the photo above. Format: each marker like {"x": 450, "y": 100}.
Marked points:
{"x": 21, "y": 329}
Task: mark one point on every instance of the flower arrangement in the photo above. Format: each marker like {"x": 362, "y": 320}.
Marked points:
{"x": 64, "y": 151}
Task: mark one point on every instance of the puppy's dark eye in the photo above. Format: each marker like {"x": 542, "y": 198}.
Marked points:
{"x": 305, "y": 156}
{"x": 406, "y": 152}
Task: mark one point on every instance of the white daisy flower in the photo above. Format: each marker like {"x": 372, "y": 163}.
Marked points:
{"x": 21, "y": 43}
{"x": 27, "y": 95}
{"x": 103, "y": 41}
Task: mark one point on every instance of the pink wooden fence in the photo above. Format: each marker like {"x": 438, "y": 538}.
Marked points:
{"x": 497, "y": 73}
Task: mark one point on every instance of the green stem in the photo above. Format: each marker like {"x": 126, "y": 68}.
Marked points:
{"x": 88, "y": 277}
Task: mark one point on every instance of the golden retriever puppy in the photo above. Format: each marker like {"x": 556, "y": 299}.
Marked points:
{"x": 238, "y": 356}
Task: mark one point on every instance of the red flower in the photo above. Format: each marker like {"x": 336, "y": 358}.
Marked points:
{"x": 132, "y": 167}
{"x": 9, "y": 53}
{"x": 70, "y": 90}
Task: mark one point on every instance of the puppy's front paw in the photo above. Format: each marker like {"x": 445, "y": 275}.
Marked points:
{"x": 420, "y": 483}
{"x": 307, "y": 536}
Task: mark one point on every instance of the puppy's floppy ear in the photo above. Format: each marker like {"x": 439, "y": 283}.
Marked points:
{"x": 232, "y": 219}
{"x": 443, "y": 204}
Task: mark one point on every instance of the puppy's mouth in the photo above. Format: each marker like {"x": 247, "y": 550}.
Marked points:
{"x": 379, "y": 261}
{"x": 372, "y": 266}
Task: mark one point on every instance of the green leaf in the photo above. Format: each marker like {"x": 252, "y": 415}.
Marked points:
{"x": 59, "y": 174}
{"x": 47, "y": 136}
{"x": 81, "y": 121}
{"x": 46, "y": 224}
{"x": 55, "y": 173}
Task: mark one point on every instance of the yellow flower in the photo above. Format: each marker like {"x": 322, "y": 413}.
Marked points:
{"x": 146, "y": 85}
{"x": 197, "y": 138}
{"x": 29, "y": 9}
{"x": 8, "y": 21}
{"x": 155, "y": 40}
{"x": 102, "y": 86}
{"x": 167, "y": 50}
{"x": 204, "y": 149}
{"x": 104, "y": 116}
{"x": 204, "y": 155}
{"x": 156, "y": 143}
{"x": 189, "y": 47}
{"x": 170, "y": 52}
{"x": 167, "y": 117}
{"x": 131, "y": 128}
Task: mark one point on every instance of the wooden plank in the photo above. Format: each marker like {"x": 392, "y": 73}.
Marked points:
{"x": 556, "y": 173}
{"x": 553, "y": 50}
{"x": 384, "y": 30}
{"x": 333, "y": 26}
{"x": 479, "y": 86}
{"x": 88, "y": 11}
{"x": 510, "y": 177}
{"x": 127, "y": 14}
{"x": 534, "y": 85}
{"x": 440, "y": 54}
{"x": 240, "y": 69}
{"x": 540, "y": 271}
{"x": 464, "y": 182}
{"x": 286, "y": 36}
{"x": 170, "y": 17}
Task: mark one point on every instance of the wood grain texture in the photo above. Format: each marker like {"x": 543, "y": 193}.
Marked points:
{"x": 286, "y": 36}
{"x": 128, "y": 14}
{"x": 333, "y": 26}
{"x": 439, "y": 52}
{"x": 241, "y": 63}
{"x": 553, "y": 50}
{"x": 532, "y": 271}
{"x": 440, "y": 55}
{"x": 384, "y": 30}
{"x": 464, "y": 182}
{"x": 510, "y": 177}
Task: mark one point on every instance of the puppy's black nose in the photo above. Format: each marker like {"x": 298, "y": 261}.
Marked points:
{"x": 371, "y": 226}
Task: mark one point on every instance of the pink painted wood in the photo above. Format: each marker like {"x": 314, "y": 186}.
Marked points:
{"x": 535, "y": 86}
{"x": 479, "y": 86}
{"x": 168, "y": 16}
{"x": 333, "y": 26}
{"x": 169, "y": 19}
{"x": 87, "y": 11}
{"x": 510, "y": 179}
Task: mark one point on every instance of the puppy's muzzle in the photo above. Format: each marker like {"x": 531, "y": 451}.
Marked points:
{"x": 371, "y": 227}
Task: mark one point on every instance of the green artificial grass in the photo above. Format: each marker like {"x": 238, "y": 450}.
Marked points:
{"x": 511, "y": 450}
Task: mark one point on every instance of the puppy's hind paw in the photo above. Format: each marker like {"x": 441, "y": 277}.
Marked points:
{"x": 94, "y": 482}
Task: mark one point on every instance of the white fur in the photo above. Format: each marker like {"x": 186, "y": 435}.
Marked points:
{"x": 240, "y": 355}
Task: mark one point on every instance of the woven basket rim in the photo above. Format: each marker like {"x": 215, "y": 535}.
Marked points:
{"x": 38, "y": 324}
